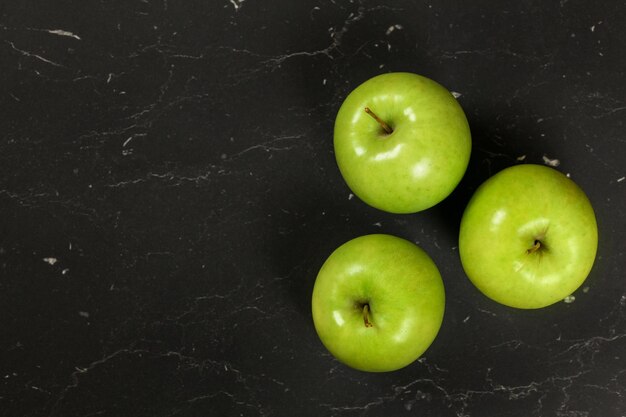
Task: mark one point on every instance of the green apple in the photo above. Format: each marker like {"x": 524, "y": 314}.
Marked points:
{"x": 528, "y": 237}
{"x": 402, "y": 142}
{"x": 378, "y": 303}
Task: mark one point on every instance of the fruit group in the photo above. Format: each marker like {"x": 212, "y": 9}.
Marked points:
{"x": 378, "y": 303}
{"x": 421, "y": 160}
{"x": 528, "y": 237}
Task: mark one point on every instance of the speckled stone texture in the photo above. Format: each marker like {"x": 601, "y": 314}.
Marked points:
{"x": 168, "y": 192}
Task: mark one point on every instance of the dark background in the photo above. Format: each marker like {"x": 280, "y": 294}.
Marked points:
{"x": 168, "y": 192}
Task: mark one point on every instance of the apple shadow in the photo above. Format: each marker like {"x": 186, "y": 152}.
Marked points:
{"x": 492, "y": 151}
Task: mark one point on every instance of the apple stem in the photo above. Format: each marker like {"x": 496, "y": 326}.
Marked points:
{"x": 535, "y": 247}
{"x": 366, "y": 313}
{"x": 380, "y": 121}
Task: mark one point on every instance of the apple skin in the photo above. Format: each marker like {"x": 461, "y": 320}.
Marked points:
{"x": 403, "y": 289}
{"x": 421, "y": 161}
{"x": 507, "y": 215}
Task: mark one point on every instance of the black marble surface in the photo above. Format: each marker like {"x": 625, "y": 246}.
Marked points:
{"x": 168, "y": 192}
